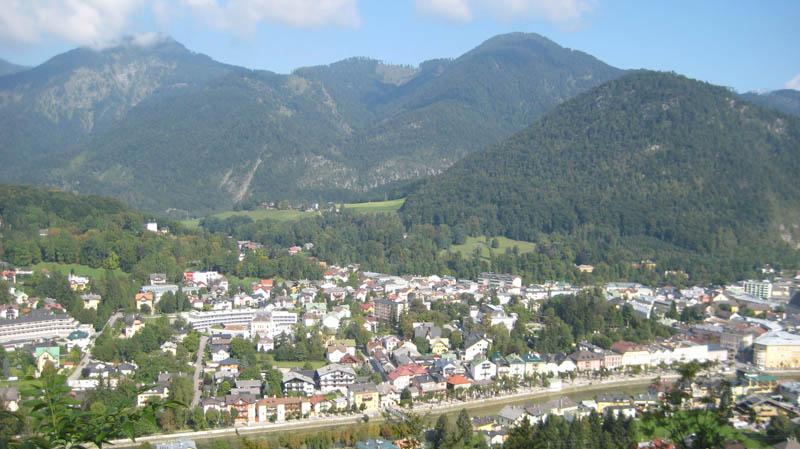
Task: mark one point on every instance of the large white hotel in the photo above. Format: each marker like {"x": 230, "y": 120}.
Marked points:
{"x": 260, "y": 321}
{"x": 39, "y": 325}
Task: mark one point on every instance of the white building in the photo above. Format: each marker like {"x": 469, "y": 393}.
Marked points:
{"x": 37, "y": 325}
{"x": 273, "y": 323}
{"x": 203, "y": 321}
{"x": 482, "y": 369}
{"x": 759, "y": 289}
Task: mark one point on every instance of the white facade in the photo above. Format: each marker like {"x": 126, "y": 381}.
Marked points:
{"x": 274, "y": 323}
{"x": 37, "y": 326}
{"x": 482, "y": 369}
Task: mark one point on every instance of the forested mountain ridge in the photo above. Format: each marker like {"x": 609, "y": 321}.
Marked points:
{"x": 784, "y": 100}
{"x": 9, "y": 67}
{"x": 663, "y": 164}
{"x": 162, "y": 127}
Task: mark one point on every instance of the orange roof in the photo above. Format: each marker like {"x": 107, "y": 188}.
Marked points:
{"x": 458, "y": 379}
{"x": 276, "y": 401}
{"x": 408, "y": 369}
{"x": 146, "y": 296}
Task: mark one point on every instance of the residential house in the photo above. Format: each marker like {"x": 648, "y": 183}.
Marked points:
{"x": 400, "y": 378}
{"x": 364, "y": 397}
{"x": 335, "y": 377}
{"x": 334, "y": 353}
{"x": 91, "y": 301}
{"x": 299, "y": 381}
{"x": 481, "y": 368}
{"x": 474, "y": 346}
{"x": 46, "y": 355}
{"x": 9, "y": 399}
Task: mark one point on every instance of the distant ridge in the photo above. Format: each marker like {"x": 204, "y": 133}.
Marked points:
{"x": 653, "y": 162}
{"x": 161, "y": 127}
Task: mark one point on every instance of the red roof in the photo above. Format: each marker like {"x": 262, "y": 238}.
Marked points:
{"x": 458, "y": 379}
{"x": 624, "y": 346}
{"x": 348, "y": 359}
{"x": 409, "y": 369}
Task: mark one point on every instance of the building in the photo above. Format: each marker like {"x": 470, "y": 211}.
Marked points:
{"x": 183, "y": 443}
{"x": 36, "y": 326}
{"x": 91, "y": 301}
{"x": 777, "y": 349}
{"x": 299, "y": 381}
{"x": 376, "y": 444}
{"x": 274, "y": 323}
{"x": 498, "y": 280}
{"x": 335, "y": 377}
{"x": 46, "y": 355}
{"x": 364, "y": 397}
{"x": 482, "y": 369}
{"x": 759, "y": 289}
{"x": 388, "y": 311}
{"x": 474, "y": 346}
{"x": 204, "y": 321}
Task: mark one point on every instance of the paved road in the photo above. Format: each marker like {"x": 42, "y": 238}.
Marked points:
{"x": 432, "y": 410}
{"x": 76, "y": 374}
{"x": 198, "y": 370}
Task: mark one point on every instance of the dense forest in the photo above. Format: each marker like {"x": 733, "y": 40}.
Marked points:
{"x": 784, "y": 100}
{"x": 194, "y": 135}
{"x": 40, "y": 225}
{"x": 383, "y": 243}
{"x": 678, "y": 171}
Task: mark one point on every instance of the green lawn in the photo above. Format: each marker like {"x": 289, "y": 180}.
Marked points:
{"x": 259, "y": 214}
{"x": 287, "y": 364}
{"x": 484, "y": 243}
{"x": 649, "y": 430}
{"x": 377, "y": 206}
{"x": 80, "y": 270}
{"x": 293, "y": 215}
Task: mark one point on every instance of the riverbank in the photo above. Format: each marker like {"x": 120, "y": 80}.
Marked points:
{"x": 478, "y": 407}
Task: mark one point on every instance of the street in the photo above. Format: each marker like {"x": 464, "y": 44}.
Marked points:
{"x": 87, "y": 355}
{"x": 198, "y": 370}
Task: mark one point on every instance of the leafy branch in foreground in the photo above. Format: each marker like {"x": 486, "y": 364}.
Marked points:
{"x": 51, "y": 418}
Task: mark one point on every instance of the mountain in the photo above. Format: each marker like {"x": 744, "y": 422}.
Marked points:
{"x": 164, "y": 128}
{"x": 7, "y": 68}
{"x": 784, "y": 100}
{"x": 655, "y": 161}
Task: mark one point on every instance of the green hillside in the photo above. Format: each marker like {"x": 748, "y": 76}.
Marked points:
{"x": 784, "y": 100}
{"x": 665, "y": 166}
{"x": 166, "y": 129}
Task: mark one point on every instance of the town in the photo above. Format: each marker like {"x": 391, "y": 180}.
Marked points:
{"x": 362, "y": 344}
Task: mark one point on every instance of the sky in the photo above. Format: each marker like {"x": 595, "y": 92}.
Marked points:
{"x": 746, "y": 45}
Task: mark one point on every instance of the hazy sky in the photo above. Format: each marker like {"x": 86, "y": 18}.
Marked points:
{"x": 743, "y": 44}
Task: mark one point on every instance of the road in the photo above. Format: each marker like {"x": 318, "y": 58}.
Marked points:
{"x": 198, "y": 370}
{"x": 76, "y": 374}
{"x": 432, "y": 410}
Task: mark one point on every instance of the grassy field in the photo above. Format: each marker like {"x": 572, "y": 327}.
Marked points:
{"x": 293, "y": 215}
{"x": 377, "y": 206}
{"x": 289, "y": 364}
{"x": 484, "y": 244}
{"x": 259, "y": 214}
{"x": 79, "y": 270}
{"x": 650, "y": 430}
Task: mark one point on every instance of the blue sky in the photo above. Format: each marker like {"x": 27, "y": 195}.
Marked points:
{"x": 747, "y": 45}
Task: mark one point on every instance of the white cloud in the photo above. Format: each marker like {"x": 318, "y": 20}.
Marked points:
{"x": 793, "y": 83}
{"x": 85, "y": 22}
{"x": 458, "y": 10}
{"x": 244, "y": 15}
{"x": 98, "y": 23}
{"x": 148, "y": 39}
{"x": 558, "y": 11}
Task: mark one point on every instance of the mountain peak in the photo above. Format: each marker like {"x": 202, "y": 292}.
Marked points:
{"x": 7, "y": 67}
